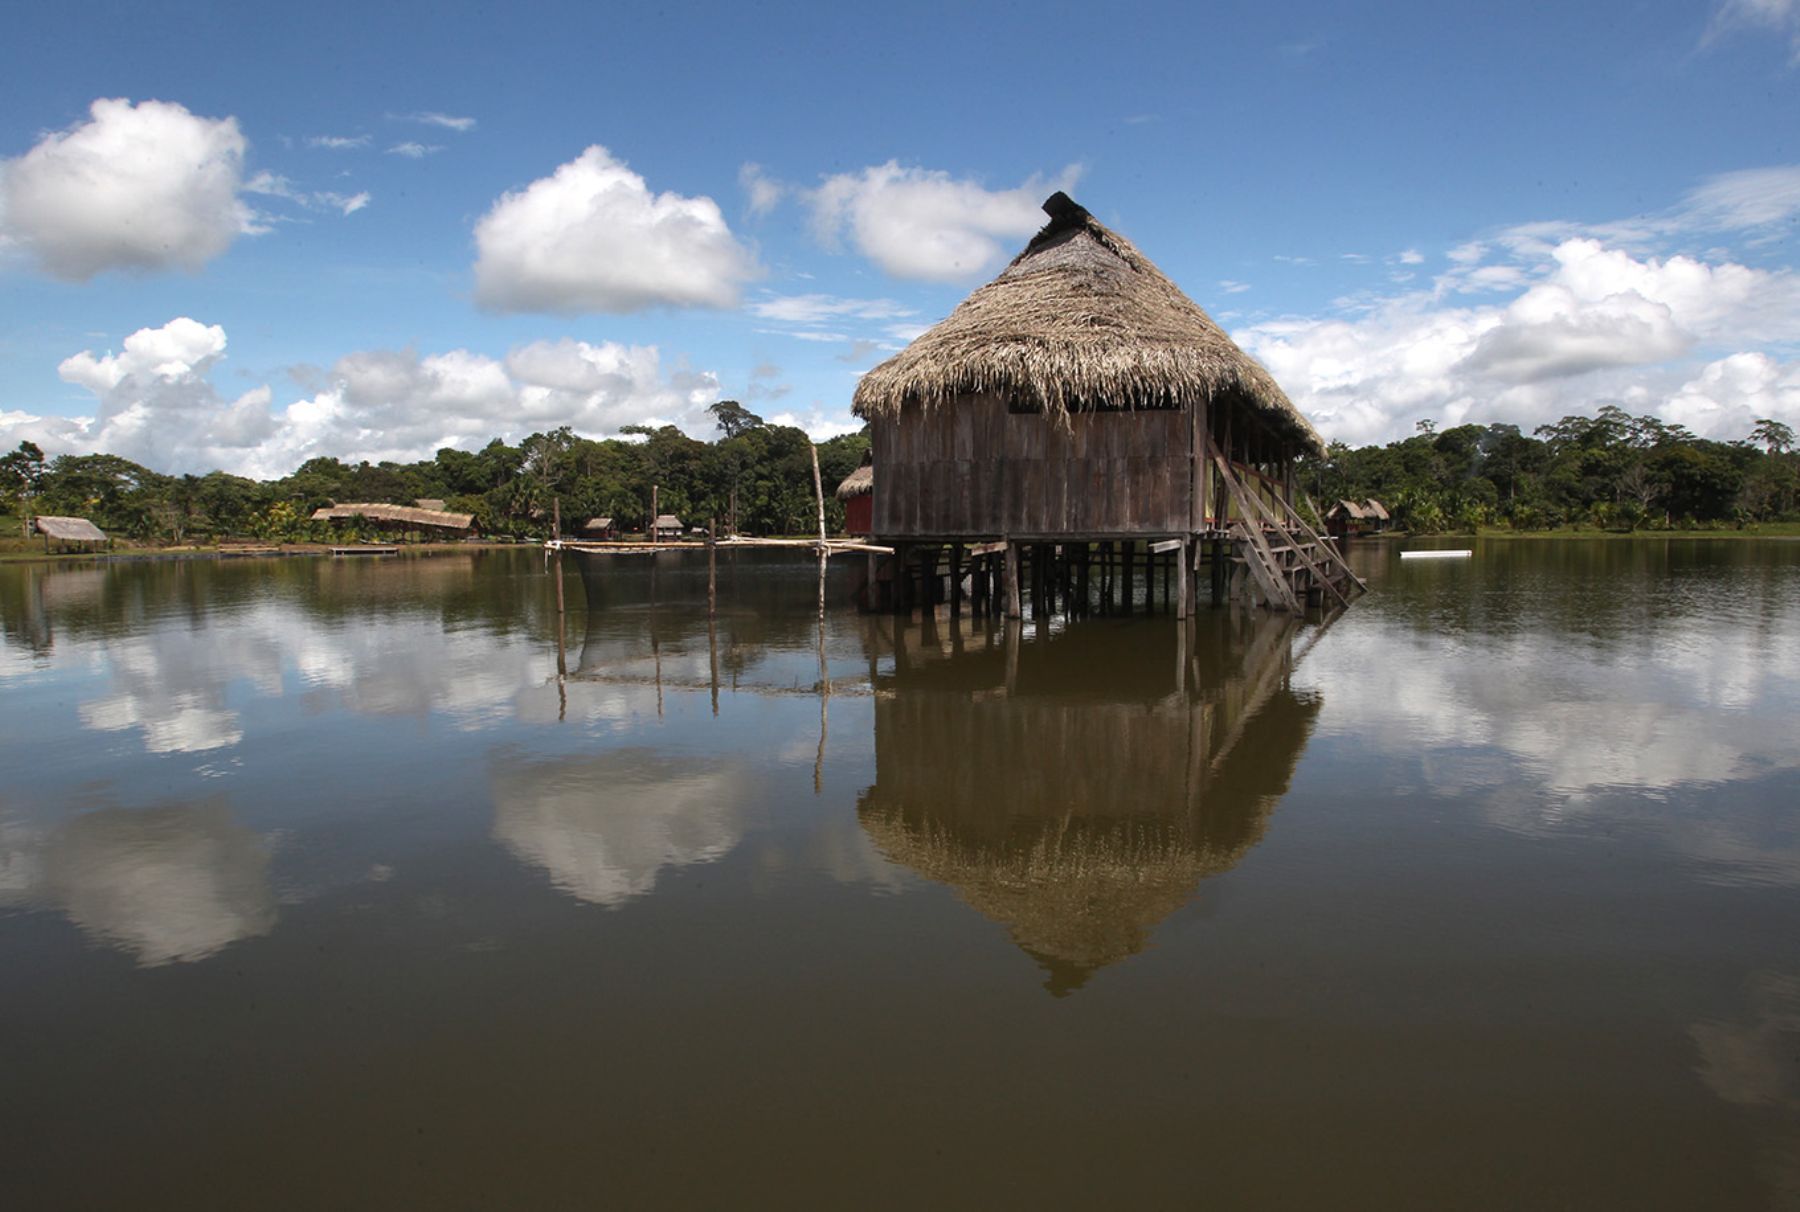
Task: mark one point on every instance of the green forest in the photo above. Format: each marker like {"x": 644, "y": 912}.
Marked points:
{"x": 1611, "y": 471}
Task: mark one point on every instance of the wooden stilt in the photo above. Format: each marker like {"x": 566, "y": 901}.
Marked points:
{"x": 956, "y": 574}
{"x": 1012, "y": 580}
{"x": 1184, "y": 579}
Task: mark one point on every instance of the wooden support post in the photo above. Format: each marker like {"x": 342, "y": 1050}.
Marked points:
{"x": 1012, "y": 580}
{"x": 956, "y": 574}
{"x": 712, "y": 569}
{"x": 1184, "y": 581}
{"x": 1126, "y": 574}
{"x": 556, "y": 517}
{"x": 898, "y": 589}
{"x": 872, "y": 581}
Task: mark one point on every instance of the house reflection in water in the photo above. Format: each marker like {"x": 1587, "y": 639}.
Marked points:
{"x": 1076, "y": 788}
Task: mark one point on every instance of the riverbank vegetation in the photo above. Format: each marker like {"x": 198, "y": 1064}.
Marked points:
{"x": 1609, "y": 472}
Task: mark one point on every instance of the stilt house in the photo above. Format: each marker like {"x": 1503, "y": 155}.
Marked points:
{"x": 1080, "y": 397}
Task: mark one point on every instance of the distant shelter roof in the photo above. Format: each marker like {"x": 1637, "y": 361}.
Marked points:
{"x": 859, "y": 483}
{"x": 70, "y": 530}
{"x": 407, "y": 514}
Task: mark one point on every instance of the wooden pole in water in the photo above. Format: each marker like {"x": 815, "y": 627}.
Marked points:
{"x": 1012, "y": 580}
{"x": 824, "y": 554}
{"x": 1184, "y": 580}
{"x": 650, "y": 530}
{"x": 712, "y": 570}
{"x": 956, "y": 594}
{"x": 556, "y": 519}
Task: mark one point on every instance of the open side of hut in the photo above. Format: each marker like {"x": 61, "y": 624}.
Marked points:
{"x": 1081, "y": 396}
{"x": 857, "y": 492}
{"x": 667, "y": 526}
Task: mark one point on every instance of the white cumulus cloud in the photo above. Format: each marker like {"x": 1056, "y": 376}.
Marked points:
{"x": 592, "y": 237}
{"x": 1586, "y": 324}
{"x": 156, "y": 404}
{"x": 927, "y": 225}
{"x": 135, "y": 187}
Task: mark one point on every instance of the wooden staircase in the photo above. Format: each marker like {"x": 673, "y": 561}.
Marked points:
{"x": 1288, "y": 561}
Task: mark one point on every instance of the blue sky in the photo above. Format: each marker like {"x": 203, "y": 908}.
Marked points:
{"x": 238, "y": 236}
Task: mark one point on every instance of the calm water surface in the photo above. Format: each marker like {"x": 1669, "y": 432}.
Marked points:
{"x": 342, "y": 884}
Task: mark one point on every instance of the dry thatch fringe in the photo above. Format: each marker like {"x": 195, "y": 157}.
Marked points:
{"x": 1079, "y": 319}
{"x": 1089, "y": 897}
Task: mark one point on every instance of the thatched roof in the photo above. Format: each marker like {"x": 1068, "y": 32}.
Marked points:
{"x": 1362, "y": 511}
{"x": 407, "y": 514}
{"x": 1080, "y": 319}
{"x": 70, "y": 530}
{"x": 667, "y": 521}
{"x": 597, "y": 524}
{"x": 430, "y": 503}
{"x": 859, "y": 483}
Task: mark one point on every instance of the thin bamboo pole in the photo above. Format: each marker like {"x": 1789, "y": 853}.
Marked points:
{"x": 824, "y": 551}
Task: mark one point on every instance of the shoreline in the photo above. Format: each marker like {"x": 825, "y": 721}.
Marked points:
{"x": 1779, "y": 531}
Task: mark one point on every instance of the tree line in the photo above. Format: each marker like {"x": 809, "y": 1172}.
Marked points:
{"x": 755, "y": 473}
{"x": 1612, "y": 470}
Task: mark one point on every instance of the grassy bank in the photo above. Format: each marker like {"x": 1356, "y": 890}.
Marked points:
{"x": 15, "y": 548}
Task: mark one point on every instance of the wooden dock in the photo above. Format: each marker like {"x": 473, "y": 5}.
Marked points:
{"x": 365, "y": 549}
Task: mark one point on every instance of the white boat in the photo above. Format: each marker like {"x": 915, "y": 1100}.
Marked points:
{"x": 1446, "y": 553}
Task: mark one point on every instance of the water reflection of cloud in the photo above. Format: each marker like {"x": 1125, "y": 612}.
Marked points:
{"x": 172, "y": 683}
{"x": 1548, "y": 733}
{"x": 1583, "y": 723}
{"x": 1754, "y": 1062}
{"x": 163, "y": 884}
{"x": 603, "y": 828}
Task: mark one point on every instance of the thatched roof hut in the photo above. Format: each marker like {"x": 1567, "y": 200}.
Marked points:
{"x": 859, "y": 483}
{"x": 396, "y": 515}
{"x": 1078, "y": 393}
{"x": 69, "y": 530}
{"x": 1080, "y": 320}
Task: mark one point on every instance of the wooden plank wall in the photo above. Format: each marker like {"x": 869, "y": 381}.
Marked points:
{"x": 973, "y": 469}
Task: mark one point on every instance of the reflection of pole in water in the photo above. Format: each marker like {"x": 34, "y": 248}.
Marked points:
{"x": 712, "y": 649}
{"x": 562, "y": 648}
{"x": 824, "y": 700}
{"x": 655, "y": 642}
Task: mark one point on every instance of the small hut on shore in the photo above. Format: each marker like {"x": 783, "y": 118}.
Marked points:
{"x": 667, "y": 526}
{"x": 1351, "y": 518}
{"x": 64, "y": 531}
{"x": 857, "y": 492}
{"x": 1079, "y": 398}
{"x": 599, "y": 529}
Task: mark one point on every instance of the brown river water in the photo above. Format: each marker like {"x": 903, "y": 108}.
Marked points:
{"x": 380, "y": 883}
